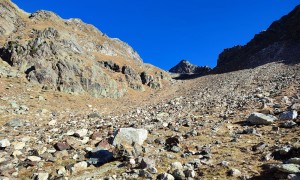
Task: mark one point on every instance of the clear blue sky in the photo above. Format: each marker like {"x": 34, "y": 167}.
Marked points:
{"x": 166, "y": 31}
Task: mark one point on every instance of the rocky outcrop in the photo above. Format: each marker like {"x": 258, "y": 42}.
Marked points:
{"x": 279, "y": 43}
{"x": 69, "y": 55}
{"x": 185, "y": 67}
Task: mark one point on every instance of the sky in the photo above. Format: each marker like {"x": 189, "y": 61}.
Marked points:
{"x": 164, "y": 32}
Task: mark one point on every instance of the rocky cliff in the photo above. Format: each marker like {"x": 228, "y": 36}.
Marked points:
{"x": 279, "y": 43}
{"x": 71, "y": 56}
{"x": 185, "y": 67}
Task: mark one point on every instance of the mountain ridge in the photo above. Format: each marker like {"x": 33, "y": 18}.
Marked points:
{"x": 68, "y": 55}
{"x": 279, "y": 43}
{"x": 185, "y": 67}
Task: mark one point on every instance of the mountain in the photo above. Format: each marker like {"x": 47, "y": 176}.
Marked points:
{"x": 71, "y": 56}
{"x": 185, "y": 67}
{"x": 237, "y": 125}
{"x": 279, "y": 43}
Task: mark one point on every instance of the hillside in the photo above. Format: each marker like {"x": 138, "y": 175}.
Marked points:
{"x": 242, "y": 124}
{"x": 71, "y": 56}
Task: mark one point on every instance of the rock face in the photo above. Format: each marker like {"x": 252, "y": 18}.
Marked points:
{"x": 185, "y": 67}
{"x": 69, "y": 55}
{"x": 279, "y": 43}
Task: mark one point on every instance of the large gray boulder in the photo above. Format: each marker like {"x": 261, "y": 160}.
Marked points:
{"x": 260, "y": 119}
{"x": 130, "y": 136}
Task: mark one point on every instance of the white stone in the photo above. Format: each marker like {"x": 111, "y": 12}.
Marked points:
{"x": 41, "y": 176}
{"x": 34, "y": 158}
{"x": 18, "y": 145}
{"x": 79, "y": 167}
{"x": 81, "y": 133}
{"x": 176, "y": 165}
{"x": 166, "y": 176}
{"x": 17, "y": 153}
{"x": 235, "y": 172}
{"x": 85, "y": 140}
{"x": 4, "y": 143}
{"x": 130, "y": 136}
{"x": 61, "y": 171}
{"x": 52, "y": 123}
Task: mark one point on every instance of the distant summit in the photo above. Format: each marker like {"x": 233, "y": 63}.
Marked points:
{"x": 185, "y": 67}
{"x": 279, "y": 43}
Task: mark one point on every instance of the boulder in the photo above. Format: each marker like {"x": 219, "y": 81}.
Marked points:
{"x": 130, "y": 136}
{"x": 261, "y": 119}
{"x": 288, "y": 115}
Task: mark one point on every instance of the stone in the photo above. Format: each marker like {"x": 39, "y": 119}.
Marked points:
{"x": 81, "y": 133}
{"x": 103, "y": 145}
{"x": 4, "y": 143}
{"x": 189, "y": 173}
{"x": 100, "y": 157}
{"x": 17, "y": 153}
{"x": 288, "y": 115}
{"x": 40, "y": 176}
{"x": 18, "y": 145}
{"x": 61, "y": 154}
{"x": 70, "y": 133}
{"x": 48, "y": 157}
{"x": 61, "y": 171}
{"x": 152, "y": 170}
{"x": 147, "y": 163}
{"x": 15, "y": 123}
{"x": 175, "y": 149}
{"x": 293, "y": 177}
{"x": 79, "y": 167}
{"x": 34, "y": 158}
{"x": 165, "y": 176}
{"x": 96, "y": 136}
{"x": 130, "y": 136}
{"x": 260, "y": 119}
{"x": 176, "y": 165}
{"x": 60, "y": 146}
{"x": 178, "y": 174}
{"x": 234, "y": 172}
{"x": 93, "y": 115}
{"x": 52, "y": 123}
{"x": 286, "y": 168}
{"x": 144, "y": 173}
{"x": 75, "y": 143}
{"x": 289, "y": 124}
{"x": 294, "y": 161}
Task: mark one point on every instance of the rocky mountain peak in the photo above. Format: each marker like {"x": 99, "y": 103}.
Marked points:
{"x": 279, "y": 43}
{"x": 71, "y": 56}
{"x": 185, "y": 67}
